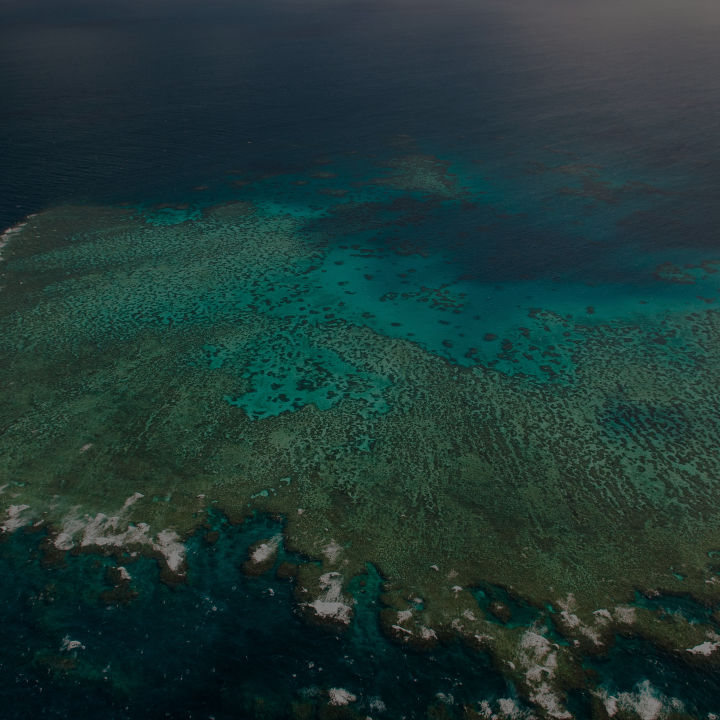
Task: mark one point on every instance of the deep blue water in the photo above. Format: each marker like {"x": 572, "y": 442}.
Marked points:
{"x": 118, "y": 101}
{"x": 221, "y": 645}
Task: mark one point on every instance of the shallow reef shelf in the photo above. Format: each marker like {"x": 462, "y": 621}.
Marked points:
{"x": 382, "y": 423}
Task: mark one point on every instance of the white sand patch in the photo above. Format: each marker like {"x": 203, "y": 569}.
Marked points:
{"x": 332, "y": 604}
{"x": 398, "y": 628}
{"x": 124, "y": 574}
{"x": 625, "y": 614}
{"x": 573, "y": 622}
{"x": 103, "y": 531}
{"x": 569, "y": 604}
{"x": 71, "y": 526}
{"x": 508, "y": 708}
{"x": 340, "y": 696}
{"x": 404, "y": 615}
{"x": 645, "y": 702}
{"x": 706, "y": 648}
{"x": 86, "y": 447}
{"x": 427, "y": 633}
{"x": 266, "y": 551}
{"x": 610, "y": 703}
{"x": 468, "y": 615}
{"x": 172, "y": 549}
{"x": 547, "y": 698}
{"x": 332, "y": 552}
{"x": 68, "y": 645}
{"x": 485, "y": 710}
{"x": 538, "y": 659}
{"x": 132, "y": 500}
{"x": 13, "y": 520}
{"x": 570, "y": 619}
{"x": 377, "y": 705}
{"x": 591, "y": 635}
{"x": 10, "y": 233}
{"x": 484, "y": 639}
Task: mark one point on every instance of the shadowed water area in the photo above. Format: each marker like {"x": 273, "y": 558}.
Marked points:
{"x": 360, "y": 359}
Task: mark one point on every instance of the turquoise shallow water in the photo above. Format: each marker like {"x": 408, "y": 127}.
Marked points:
{"x": 471, "y": 268}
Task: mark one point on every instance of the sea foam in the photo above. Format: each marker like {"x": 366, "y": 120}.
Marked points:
{"x": 8, "y": 235}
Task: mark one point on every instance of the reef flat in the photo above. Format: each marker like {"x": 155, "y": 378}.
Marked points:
{"x": 376, "y": 353}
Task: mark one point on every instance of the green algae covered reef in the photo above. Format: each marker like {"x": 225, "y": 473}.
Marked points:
{"x": 531, "y": 468}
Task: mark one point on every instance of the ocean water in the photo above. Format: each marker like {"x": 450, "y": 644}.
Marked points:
{"x": 221, "y": 645}
{"x": 429, "y": 291}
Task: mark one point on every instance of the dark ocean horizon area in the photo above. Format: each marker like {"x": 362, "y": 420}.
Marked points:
{"x": 120, "y": 101}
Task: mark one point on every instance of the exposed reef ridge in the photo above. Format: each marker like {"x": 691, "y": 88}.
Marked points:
{"x": 8, "y": 234}
{"x": 247, "y": 357}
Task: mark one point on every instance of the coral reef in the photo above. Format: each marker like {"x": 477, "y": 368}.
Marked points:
{"x": 242, "y": 358}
